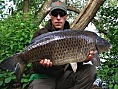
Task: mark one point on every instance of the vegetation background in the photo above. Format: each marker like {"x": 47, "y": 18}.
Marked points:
{"x": 19, "y": 20}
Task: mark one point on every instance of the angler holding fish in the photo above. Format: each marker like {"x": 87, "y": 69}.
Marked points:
{"x": 58, "y": 55}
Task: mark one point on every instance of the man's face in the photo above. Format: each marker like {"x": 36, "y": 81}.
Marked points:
{"x": 58, "y": 18}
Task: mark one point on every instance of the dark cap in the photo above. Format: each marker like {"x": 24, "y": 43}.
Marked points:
{"x": 58, "y": 5}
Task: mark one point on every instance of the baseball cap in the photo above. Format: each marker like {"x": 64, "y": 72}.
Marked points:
{"x": 58, "y": 5}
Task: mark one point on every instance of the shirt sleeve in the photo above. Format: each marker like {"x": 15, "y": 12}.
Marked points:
{"x": 39, "y": 32}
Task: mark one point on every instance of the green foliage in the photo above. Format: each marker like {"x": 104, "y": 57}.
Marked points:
{"x": 15, "y": 35}
{"x": 5, "y": 78}
{"x": 108, "y": 25}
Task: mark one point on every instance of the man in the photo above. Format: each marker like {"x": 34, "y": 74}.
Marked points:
{"x": 48, "y": 76}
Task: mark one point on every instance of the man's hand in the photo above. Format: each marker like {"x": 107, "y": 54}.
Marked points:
{"x": 46, "y": 62}
{"x": 90, "y": 56}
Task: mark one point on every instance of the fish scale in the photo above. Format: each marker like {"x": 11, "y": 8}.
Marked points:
{"x": 61, "y": 47}
{"x": 66, "y": 42}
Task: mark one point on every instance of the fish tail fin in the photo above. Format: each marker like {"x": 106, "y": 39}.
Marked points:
{"x": 14, "y": 64}
{"x": 9, "y": 63}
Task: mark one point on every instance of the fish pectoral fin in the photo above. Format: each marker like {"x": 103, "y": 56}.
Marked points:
{"x": 66, "y": 67}
{"x": 19, "y": 69}
{"x": 96, "y": 59}
{"x": 74, "y": 66}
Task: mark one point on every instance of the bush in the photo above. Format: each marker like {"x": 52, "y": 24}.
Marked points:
{"x": 108, "y": 71}
{"x": 15, "y": 35}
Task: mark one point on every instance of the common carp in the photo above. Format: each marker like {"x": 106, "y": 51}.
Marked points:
{"x": 61, "y": 47}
